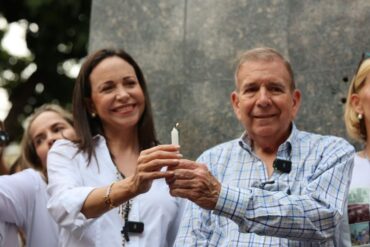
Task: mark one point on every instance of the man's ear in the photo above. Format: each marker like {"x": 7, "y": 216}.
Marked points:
{"x": 297, "y": 98}
{"x": 356, "y": 103}
{"x": 234, "y": 97}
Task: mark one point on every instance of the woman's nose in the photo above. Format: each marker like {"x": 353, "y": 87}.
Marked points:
{"x": 122, "y": 94}
{"x": 52, "y": 138}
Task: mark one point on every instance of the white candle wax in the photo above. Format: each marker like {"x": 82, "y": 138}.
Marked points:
{"x": 175, "y": 136}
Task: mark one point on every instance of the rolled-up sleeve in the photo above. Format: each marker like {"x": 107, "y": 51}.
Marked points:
{"x": 300, "y": 208}
{"x": 309, "y": 216}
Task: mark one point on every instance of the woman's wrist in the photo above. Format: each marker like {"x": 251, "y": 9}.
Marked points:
{"x": 122, "y": 191}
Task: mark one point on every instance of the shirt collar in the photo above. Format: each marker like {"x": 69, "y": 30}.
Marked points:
{"x": 99, "y": 139}
{"x": 246, "y": 143}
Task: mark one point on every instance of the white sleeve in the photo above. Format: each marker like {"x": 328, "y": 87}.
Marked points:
{"x": 16, "y": 196}
{"x": 2, "y": 233}
{"x": 181, "y": 203}
{"x": 66, "y": 189}
{"x": 8, "y": 235}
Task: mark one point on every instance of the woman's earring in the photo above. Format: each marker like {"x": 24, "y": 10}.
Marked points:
{"x": 359, "y": 116}
{"x": 93, "y": 114}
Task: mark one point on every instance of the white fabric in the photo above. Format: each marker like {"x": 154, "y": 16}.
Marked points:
{"x": 70, "y": 182}
{"x": 23, "y": 201}
{"x": 360, "y": 174}
{"x": 8, "y": 235}
{"x": 359, "y": 199}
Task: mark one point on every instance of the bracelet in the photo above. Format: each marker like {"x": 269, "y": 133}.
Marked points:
{"x": 107, "y": 199}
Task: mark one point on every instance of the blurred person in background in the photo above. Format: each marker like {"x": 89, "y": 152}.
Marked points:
{"x": 8, "y": 232}
{"x": 23, "y": 196}
{"x": 357, "y": 120}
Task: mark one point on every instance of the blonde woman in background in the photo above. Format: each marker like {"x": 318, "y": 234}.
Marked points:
{"x": 357, "y": 120}
{"x": 23, "y": 196}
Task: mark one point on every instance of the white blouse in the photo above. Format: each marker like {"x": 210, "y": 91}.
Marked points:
{"x": 71, "y": 179}
{"x": 23, "y": 200}
{"x": 8, "y": 235}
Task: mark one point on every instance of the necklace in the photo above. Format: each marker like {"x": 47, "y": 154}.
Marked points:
{"x": 124, "y": 211}
{"x": 124, "y": 208}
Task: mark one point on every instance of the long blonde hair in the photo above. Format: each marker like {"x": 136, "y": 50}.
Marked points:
{"x": 355, "y": 126}
{"x": 29, "y": 157}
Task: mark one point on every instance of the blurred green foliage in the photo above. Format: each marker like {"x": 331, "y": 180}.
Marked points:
{"x": 57, "y": 31}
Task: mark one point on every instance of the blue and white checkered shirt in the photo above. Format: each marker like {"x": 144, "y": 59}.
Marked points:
{"x": 300, "y": 208}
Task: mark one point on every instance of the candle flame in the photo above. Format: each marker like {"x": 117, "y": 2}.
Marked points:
{"x": 177, "y": 125}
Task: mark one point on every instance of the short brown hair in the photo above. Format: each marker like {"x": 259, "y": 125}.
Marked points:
{"x": 264, "y": 54}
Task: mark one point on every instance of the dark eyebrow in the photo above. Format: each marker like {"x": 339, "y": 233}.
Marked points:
{"x": 276, "y": 83}
{"x": 249, "y": 84}
{"x": 130, "y": 77}
{"x": 108, "y": 82}
{"x": 103, "y": 84}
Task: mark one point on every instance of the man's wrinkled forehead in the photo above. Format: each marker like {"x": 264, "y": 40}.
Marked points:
{"x": 269, "y": 59}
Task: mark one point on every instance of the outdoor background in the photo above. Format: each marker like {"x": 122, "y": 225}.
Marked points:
{"x": 187, "y": 50}
{"x": 42, "y": 43}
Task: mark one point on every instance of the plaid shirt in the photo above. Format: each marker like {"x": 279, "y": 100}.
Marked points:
{"x": 300, "y": 208}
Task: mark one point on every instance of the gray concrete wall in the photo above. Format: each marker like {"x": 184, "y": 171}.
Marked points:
{"x": 187, "y": 50}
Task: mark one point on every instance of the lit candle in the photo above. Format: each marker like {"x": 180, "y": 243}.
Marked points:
{"x": 175, "y": 135}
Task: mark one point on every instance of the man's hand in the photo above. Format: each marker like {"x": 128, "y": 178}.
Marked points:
{"x": 193, "y": 181}
{"x": 150, "y": 163}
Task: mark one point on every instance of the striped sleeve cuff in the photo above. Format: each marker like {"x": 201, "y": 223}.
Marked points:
{"x": 232, "y": 203}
